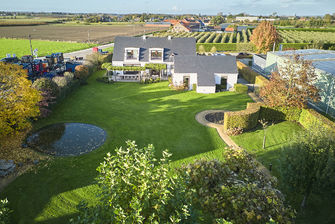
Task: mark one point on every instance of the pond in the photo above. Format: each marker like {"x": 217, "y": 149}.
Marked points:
{"x": 67, "y": 139}
{"x": 216, "y": 117}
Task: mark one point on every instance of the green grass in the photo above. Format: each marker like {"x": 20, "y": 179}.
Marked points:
{"x": 144, "y": 113}
{"x": 21, "y": 47}
{"x": 320, "y": 208}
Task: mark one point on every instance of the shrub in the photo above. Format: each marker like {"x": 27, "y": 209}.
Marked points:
{"x": 201, "y": 49}
{"x": 97, "y": 59}
{"x": 261, "y": 80}
{"x": 310, "y": 118}
{"x": 213, "y": 50}
{"x": 247, "y": 73}
{"x": 234, "y": 131}
{"x": 219, "y": 47}
{"x": 135, "y": 187}
{"x": 69, "y": 76}
{"x": 4, "y": 211}
{"x": 194, "y": 87}
{"x": 60, "y": 81}
{"x": 81, "y": 72}
{"x": 245, "y": 119}
{"x": 279, "y": 113}
{"x": 240, "y": 88}
{"x": 236, "y": 190}
{"x": 46, "y": 85}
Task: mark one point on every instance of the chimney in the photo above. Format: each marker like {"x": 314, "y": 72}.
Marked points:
{"x": 144, "y": 37}
{"x": 169, "y": 37}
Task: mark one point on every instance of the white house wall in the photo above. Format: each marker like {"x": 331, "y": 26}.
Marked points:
{"x": 231, "y": 79}
{"x": 178, "y": 79}
{"x": 206, "y": 89}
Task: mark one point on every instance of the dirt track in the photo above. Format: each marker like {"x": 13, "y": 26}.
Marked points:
{"x": 78, "y": 33}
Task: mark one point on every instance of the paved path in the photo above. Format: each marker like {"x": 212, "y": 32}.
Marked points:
{"x": 85, "y": 52}
{"x": 200, "y": 117}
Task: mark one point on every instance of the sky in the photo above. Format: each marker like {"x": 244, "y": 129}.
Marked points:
{"x": 209, "y": 7}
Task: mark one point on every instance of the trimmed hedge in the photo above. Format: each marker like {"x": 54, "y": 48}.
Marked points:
{"x": 240, "y": 88}
{"x": 218, "y": 46}
{"x": 244, "y": 119}
{"x": 279, "y": 113}
{"x": 309, "y": 118}
{"x": 250, "y": 75}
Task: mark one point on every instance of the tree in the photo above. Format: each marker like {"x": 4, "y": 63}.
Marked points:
{"x": 135, "y": 187}
{"x": 310, "y": 163}
{"x": 327, "y": 18}
{"x": 18, "y": 100}
{"x": 293, "y": 85}
{"x": 202, "y": 49}
{"x": 264, "y": 36}
{"x": 213, "y": 50}
{"x": 264, "y": 124}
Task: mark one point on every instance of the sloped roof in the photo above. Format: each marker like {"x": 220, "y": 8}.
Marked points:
{"x": 177, "y": 46}
{"x": 205, "y": 67}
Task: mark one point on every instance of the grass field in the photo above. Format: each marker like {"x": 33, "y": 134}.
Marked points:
{"x": 21, "y": 47}
{"x": 319, "y": 208}
{"x": 145, "y": 113}
{"x": 78, "y": 33}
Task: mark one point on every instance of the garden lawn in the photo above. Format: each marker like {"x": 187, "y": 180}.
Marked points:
{"x": 21, "y": 47}
{"x": 320, "y": 208}
{"x": 145, "y": 113}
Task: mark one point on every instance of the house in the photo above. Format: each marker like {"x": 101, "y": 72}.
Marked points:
{"x": 180, "y": 27}
{"x": 247, "y": 18}
{"x": 324, "y": 63}
{"x": 138, "y": 58}
{"x": 205, "y": 72}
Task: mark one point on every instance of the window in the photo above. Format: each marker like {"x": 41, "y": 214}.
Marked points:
{"x": 156, "y": 55}
{"x": 132, "y": 54}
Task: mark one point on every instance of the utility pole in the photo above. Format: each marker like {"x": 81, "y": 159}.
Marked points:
{"x": 31, "y": 48}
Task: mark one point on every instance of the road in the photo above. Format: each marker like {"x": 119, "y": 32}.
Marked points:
{"x": 85, "y": 52}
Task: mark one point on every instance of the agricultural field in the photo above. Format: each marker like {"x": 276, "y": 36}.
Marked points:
{"x": 21, "y": 47}
{"x": 212, "y": 37}
{"x": 293, "y": 36}
{"x": 99, "y": 34}
{"x": 287, "y": 36}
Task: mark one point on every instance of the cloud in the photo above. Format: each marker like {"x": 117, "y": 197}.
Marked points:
{"x": 176, "y": 9}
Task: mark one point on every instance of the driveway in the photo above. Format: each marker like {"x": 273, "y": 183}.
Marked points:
{"x": 85, "y": 52}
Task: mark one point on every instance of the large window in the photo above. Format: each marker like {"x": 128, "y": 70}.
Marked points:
{"x": 156, "y": 55}
{"x": 132, "y": 54}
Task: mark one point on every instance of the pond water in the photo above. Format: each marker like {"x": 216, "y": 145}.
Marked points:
{"x": 216, "y": 117}
{"x": 67, "y": 139}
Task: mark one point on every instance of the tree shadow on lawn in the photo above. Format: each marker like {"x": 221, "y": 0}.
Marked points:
{"x": 161, "y": 118}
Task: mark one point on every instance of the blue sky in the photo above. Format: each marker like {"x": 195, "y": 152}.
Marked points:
{"x": 211, "y": 7}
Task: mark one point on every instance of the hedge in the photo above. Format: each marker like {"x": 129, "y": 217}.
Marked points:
{"x": 279, "y": 113}
{"x": 218, "y": 46}
{"x": 240, "y": 88}
{"x": 309, "y": 118}
{"x": 244, "y": 119}
{"x": 250, "y": 75}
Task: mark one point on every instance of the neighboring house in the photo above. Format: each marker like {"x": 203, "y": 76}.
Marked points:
{"x": 205, "y": 72}
{"x": 180, "y": 59}
{"x": 180, "y": 27}
{"x": 324, "y": 64}
{"x": 247, "y": 18}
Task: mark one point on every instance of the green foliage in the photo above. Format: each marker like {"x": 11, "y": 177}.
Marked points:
{"x": 244, "y": 119}
{"x": 110, "y": 67}
{"x": 218, "y": 46}
{"x": 236, "y": 190}
{"x": 213, "y": 50}
{"x": 240, "y": 88}
{"x": 60, "y": 81}
{"x": 201, "y": 49}
{"x": 18, "y": 100}
{"x": 194, "y": 87}
{"x": 155, "y": 66}
{"x": 97, "y": 59}
{"x": 250, "y": 75}
{"x": 279, "y": 113}
{"x": 310, "y": 163}
{"x": 20, "y": 47}
{"x": 137, "y": 188}
{"x": 46, "y": 85}
{"x": 4, "y": 211}
{"x": 310, "y": 118}
{"x": 264, "y": 36}
{"x": 69, "y": 76}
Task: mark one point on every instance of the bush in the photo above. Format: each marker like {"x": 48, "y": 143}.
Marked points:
{"x": 46, "y": 85}
{"x": 81, "y": 72}
{"x": 4, "y": 211}
{"x": 245, "y": 119}
{"x": 240, "y": 88}
{"x": 236, "y": 190}
{"x": 60, "y": 81}
{"x": 194, "y": 87}
{"x": 310, "y": 118}
{"x": 261, "y": 80}
{"x": 69, "y": 76}
{"x": 135, "y": 187}
{"x": 247, "y": 73}
{"x": 219, "y": 47}
{"x": 275, "y": 114}
{"x": 97, "y": 59}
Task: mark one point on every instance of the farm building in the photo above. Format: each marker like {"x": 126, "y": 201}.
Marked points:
{"x": 247, "y": 18}
{"x": 324, "y": 64}
{"x": 161, "y": 58}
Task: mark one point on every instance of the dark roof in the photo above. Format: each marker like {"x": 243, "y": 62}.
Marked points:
{"x": 177, "y": 46}
{"x": 205, "y": 67}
